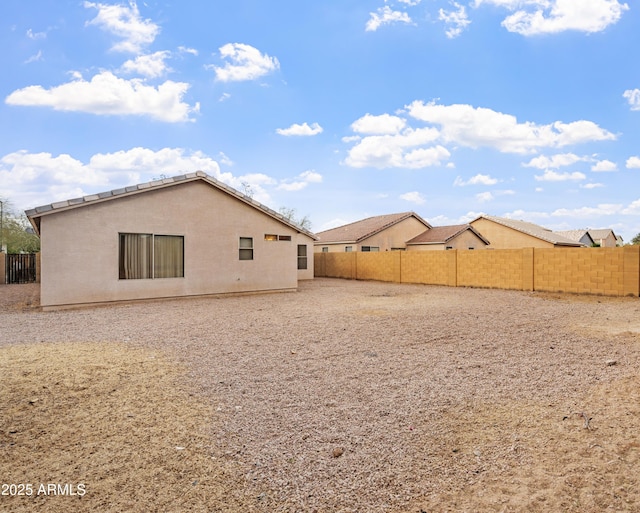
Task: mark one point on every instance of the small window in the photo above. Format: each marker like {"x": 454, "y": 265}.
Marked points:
{"x": 325, "y": 249}
{"x": 348, "y": 249}
{"x": 470, "y": 247}
{"x": 302, "y": 256}
{"x": 284, "y": 237}
{"x": 246, "y": 248}
{"x": 269, "y": 236}
{"x": 449, "y": 247}
{"x": 370, "y": 248}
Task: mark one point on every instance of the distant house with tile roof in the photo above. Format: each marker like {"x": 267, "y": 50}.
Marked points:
{"x": 504, "y": 233}
{"x": 605, "y": 238}
{"x": 459, "y": 236}
{"x": 578, "y": 236}
{"x": 379, "y": 233}
{"x": 189, "y": 235}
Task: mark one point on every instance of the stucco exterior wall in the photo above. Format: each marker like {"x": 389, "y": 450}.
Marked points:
{"x": 80, "y": 247}
{"x": 503, "y": 237}
{"x": 396, "y": 236}
{"x": 609, "y": 242}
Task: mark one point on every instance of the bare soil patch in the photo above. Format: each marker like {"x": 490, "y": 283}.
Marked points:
{"x": 346, "y": 396}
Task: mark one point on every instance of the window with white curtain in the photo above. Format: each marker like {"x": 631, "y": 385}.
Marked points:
{"x": 149, "y": 256}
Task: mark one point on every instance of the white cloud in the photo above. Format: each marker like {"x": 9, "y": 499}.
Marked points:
{"x": 413, "y": 197}
{"x": 301, "y": 182}
{"x": 478, "y": 179}
{"x": 36, "y": 35}
{"x": 533, "y": 17}
{"x": 34, "y": 58}
{"x": 604, "y": 166}
{"x": 633, "y": 163}
{"x": 152, "y": 65}
{"x": 477, "y": 127}
{"x": 400, "y": 150}
{"x": 300, "y": 130}
{"x": 456, "y": 20}
{"x": 384, "y": 16}
{"x": 484, "y": 197}
{"x": 633, "y": 97}
{"x": 125, "y": 23}
{"x": 592, "y": 185}
{"x": 554, "y": 162}
{"x": 244, "y": 62}
{"x": 107, "y": 94}
{"x": 185, "y": 49}
{"x": 378, "y": 125}
{"x": 553, "y": 176}
{"x": 41, "y": 178}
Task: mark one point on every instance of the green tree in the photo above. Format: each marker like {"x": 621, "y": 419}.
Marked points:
{"x": 636, "y": 240}
{"x": 16, "y": 235}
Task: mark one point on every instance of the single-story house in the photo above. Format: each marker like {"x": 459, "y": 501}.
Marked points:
{"x": 379, "y": 233}
{"x": 605, "y": 238}
{"x": 189, "y": 235}
{"x": 578, "y": 236}
{"x": 504, "y": 233}
{"x": 459, "y": 236}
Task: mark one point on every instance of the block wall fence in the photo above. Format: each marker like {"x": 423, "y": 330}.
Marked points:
{"x": 602, "y": 271}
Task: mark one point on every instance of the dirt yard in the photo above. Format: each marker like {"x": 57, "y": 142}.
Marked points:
{"x": 343, "y": 397}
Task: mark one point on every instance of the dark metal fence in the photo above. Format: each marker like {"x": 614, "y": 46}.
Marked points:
{"x": 20, "y": 268}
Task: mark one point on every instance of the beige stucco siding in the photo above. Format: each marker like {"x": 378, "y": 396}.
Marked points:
{"x": 503, "y": 237}
{"x": 80, "y": 247}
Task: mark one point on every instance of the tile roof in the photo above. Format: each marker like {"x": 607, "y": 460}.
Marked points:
{"x": 360, "y": 230}
{"x": 443, "y": 234}
{"x": 601, "y": 233}
{"x": 575, "y": 235}
{"x": 35, "y": 213}
{"x": 532, "y": 229}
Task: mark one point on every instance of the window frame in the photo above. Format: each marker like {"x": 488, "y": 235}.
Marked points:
{"x": 146, "y": 266}
{"x": 303, "y": 259}
{"x": 247, "y": 251}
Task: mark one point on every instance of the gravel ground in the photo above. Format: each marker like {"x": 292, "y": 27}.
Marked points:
{"x": 368, "y": 396}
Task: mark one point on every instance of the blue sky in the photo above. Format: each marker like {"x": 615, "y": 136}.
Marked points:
{"x": 339, "y": 109}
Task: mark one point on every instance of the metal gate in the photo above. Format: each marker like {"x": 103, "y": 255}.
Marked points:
{"x": 20, "y": 268}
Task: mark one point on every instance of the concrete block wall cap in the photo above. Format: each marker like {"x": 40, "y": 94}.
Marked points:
{"x": 60, "y": 204}
{"x": 106, "y": 194}
{"x": 92, "y": 197}
{"x": 132, "y": 188}
{"x": 144, "y": 186}
{"x": 76, "y": 201}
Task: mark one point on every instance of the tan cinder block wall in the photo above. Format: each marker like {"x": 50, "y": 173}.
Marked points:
{"x": 592, "y": 271}
{"x": 603, "y": 271}
{"x": 379, "y": 266}
{"x": 631, "y": 273}
{"x": 38, "y": 265}
{"x": 339, "y": 265}
{"x": 429, "y": 267}
{"x": 500, "y": 269}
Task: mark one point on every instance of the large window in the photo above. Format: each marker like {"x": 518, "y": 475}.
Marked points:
{"x": 148, "y": 256}
{"x": 302, "y": 256}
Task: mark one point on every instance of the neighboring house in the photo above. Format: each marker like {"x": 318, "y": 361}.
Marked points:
{"x": 459, "y": 236}
{"x": 578, "y": 236}
{"x": 184, "y": 236}
{"x": 380, "y": 233}
{"x": 504, "y": 233}
{"x": 605, "y": 238}
{"x": 619, "y": 241}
